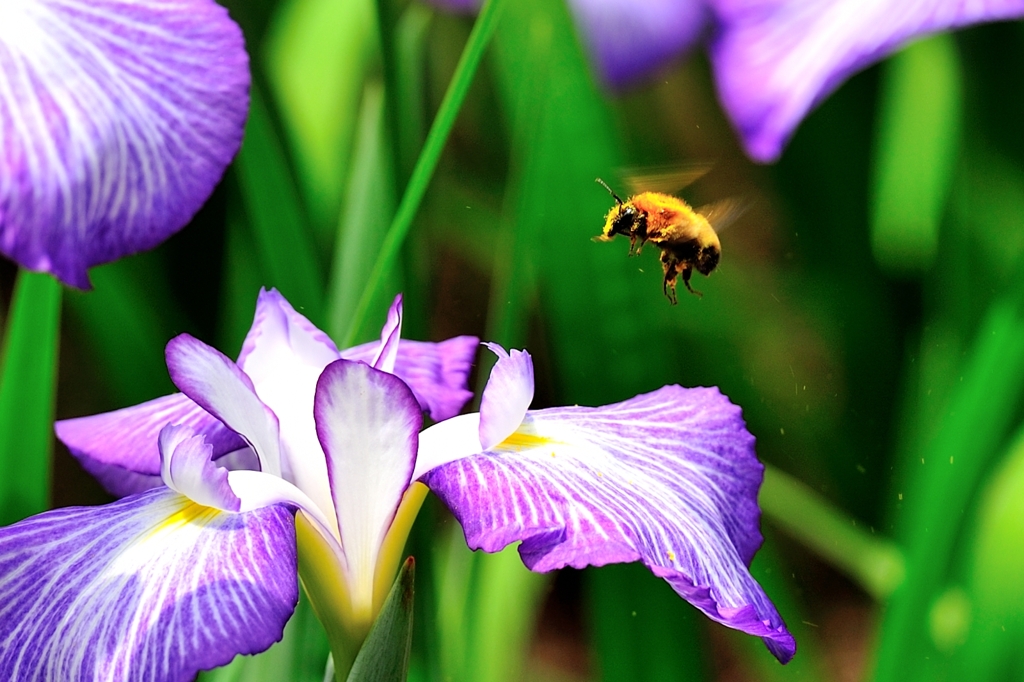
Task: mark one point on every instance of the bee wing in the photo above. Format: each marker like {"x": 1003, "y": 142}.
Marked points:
{"x": 667, "y": 179}
{"x": 722, "y": 214}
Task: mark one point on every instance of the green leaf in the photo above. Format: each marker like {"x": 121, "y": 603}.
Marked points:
{"x": 950, "y": 465}
{"x": 369, "y": 205}
{"x": 503, "y": 613}
{"x": 918, "y": 141}
{"x": 27, "y": 394}
{"x": 316, "y": 60}
{"x": 283, "y": 241}
{"x": 134, "y": 294}
{"x": 384, "y": 656}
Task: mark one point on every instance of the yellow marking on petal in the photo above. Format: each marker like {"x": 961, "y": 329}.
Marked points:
{"x": 671, "y": 555}
{"x": 392, "y": 550}
{"x": 520, "y": 440}
{"x": 191, "y": 512}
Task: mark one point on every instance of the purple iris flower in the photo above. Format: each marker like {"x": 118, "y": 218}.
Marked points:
{"x": 117, "y": 119}
{"x": 297, "y": 440}
{"x": 774, "y": 60}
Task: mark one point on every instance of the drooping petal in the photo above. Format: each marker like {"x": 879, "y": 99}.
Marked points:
{"x": 152, "y": 587}
{"x": 630, "y": 40}
{"x": 213, "y": 381}
{"x": 187, "y": 467}
{"x": 117, "y": 119}
{"x": 774, "y": 60}
{"x": 506, "y": 397}
{"x": 368, "y": 423}
{"x": 390, "y": 334}
{"x": 436, "y": 372}
{"x": 115, "y": 445}
{"x": 668, "y": 478}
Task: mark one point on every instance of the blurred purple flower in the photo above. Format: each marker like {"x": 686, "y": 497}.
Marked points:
{"x": 117, "y": 119}
{"x": 774, "y": 60}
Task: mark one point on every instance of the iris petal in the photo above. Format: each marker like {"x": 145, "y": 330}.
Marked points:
{"x": 120, "y": 447}
{"x": 390, "y": 335}
{"x": 775, "y": 60}
{"x": 187, "y": 468}
{"x": 507, "y": 396}
{"x": 669, "y": 478}
{"x": 152, "y": 587}
{"x": 117, "y": 119}
{"x": 213, "y": 381}
{"x": 368, "y": 423}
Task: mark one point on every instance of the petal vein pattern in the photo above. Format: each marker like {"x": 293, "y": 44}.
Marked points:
{"x": 117, "y": 119}
{"x": 669, "y": 478}
{"x": 152, "y": 587}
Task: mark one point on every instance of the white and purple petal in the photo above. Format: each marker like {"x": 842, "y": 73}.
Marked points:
{"x": 436, "y": 372}
{"x": 630, "y": 40}
{"x": 368, "y": 423}
{"x": 774, "y": 60}
{"x": 668, "y": 478}
{"x": 152, "y": 587}
{"x": 506, "y": 397}
{"x": 187, "y": 467}
{"x": 120, "y": 447}
{"x": 390, "y": 334}
{"x": 214, "y": 382}
{"x": 117, "y": 119}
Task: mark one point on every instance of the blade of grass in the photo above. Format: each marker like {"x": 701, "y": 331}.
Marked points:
{"x": 483, "y": 29}
{"x": 27, "y": 394}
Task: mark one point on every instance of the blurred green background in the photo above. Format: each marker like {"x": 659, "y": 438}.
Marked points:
{"x": 868, "y": 316}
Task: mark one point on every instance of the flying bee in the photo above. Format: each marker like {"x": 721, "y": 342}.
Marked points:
{"x": 686, "y": 237}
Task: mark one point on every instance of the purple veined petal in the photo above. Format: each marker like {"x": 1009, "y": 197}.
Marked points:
{"x": 187, "y": 467}
{"x": 120, "y": 447}
{"x": 668, "y": 478}
{"x": 507, "y": 396}
{"x": 117, "y": 119}
{"x": 390, "y": 334}
{"x": 368, "y": 422}
{"x": 774, "y": 60}
{"x": 151, "y": 587}
{"x": 209, "y": 378}
{"x": 436, "y": 372}
{"x": 284, "y": 354}
{"x": 630, "y": 40}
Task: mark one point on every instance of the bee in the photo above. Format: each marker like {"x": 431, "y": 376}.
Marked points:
{"x": 685, "y": 236}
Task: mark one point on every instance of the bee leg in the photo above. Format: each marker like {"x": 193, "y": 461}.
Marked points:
{"x": 670, "y": 265}
{"x": 687, "y": 271}
{"x": 632, "y": 245}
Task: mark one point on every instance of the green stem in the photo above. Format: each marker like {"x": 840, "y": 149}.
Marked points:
{"x": 27, "y": 393}
{"x": 429, "y": 156}
{"x": 874, "y": 562}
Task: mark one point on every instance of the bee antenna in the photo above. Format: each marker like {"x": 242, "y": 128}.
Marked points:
{"x": 605, "y": 185}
